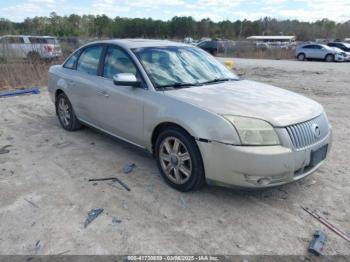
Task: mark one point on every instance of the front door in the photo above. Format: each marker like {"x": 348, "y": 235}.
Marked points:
{"x": 120, "y": 108}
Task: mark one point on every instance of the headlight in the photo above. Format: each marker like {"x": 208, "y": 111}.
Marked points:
{"x": 254, "y": 131}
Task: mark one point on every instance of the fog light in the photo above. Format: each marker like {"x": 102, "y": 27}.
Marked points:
{"x": 263, "y": 181}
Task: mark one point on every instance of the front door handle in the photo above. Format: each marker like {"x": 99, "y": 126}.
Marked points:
{"x": 103, "y": 93}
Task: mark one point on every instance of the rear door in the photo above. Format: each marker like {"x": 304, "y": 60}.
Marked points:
{"x": 82, "y": 81}
{"x": 120, "y": 108}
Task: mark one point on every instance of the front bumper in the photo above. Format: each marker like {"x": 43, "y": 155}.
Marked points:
{"x": 257, "y": 166}
{"x": 340, "y": 58}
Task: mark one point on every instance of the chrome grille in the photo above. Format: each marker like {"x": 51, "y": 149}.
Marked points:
{"x": 303, "y": 134}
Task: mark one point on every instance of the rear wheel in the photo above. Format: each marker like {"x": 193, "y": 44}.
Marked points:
{"x": 33, "y": 57}
{"x": 329, "y": 58}
{"x": 301, "y": 57}
{"x": 65, "y": 113}
{"x": 179, "y": 160}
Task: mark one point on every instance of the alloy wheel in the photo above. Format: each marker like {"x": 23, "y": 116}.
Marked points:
{"x": 175, "y": 160}
{"x": 64, "y": 111}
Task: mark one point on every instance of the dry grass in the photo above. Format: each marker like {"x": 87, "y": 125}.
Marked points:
{"x": 23, "y": 74}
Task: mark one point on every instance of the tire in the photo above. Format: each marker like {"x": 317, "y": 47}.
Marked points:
{"x": 185, "y": 166}
{"x": 329, "y": 58}
{"x": 33, "y": 57}
{"x": 65, "y": 113}
{"x": 301, "y": 57}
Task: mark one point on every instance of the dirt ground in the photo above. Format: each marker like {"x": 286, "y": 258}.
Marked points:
{"x": 45, "y": 194}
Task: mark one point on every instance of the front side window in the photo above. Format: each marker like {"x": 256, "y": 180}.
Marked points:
{"x": 178, "y": 66}
{"x": 117, "y": 61}
{"x": 89, "y": 60}
{"x": 309, "y": 46}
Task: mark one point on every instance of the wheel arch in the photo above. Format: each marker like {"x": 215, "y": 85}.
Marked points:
{"x": 161, "y": 127}
{"x": 58, "y": 92}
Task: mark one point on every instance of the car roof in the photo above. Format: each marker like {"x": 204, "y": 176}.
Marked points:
{"x": 140, "y": 43}
{"x": 36, "y": 36}
{"x": 323, "y": 45}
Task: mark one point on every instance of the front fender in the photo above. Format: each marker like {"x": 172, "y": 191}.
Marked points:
{"x": 199, "y": 123}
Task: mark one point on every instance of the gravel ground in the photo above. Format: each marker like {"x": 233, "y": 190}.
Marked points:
{"x": 45, "y": 194}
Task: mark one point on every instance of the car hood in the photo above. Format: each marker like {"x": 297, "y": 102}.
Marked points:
{"x": 251, "y": 99}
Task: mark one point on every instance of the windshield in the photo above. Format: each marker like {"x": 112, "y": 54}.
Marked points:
{"x": 181, "y": 66}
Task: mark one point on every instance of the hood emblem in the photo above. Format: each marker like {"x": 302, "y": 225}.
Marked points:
{"x": 316, "y": 130}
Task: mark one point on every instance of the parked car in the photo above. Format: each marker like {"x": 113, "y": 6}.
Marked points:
{"x": 215, "y": 47}
{"x": 319, "y": 52}
{"x": 69, "y": 44}
{"x": 199, "y": 120}
{"x": 347, "y": 54}
{"x": 29, "y": 47}
{"x": 343, "y": 46}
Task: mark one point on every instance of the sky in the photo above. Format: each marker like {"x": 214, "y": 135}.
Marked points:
{"x": 216, "y": 10}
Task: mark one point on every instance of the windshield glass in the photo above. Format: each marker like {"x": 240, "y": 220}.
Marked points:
{"x": 181, "y": 66}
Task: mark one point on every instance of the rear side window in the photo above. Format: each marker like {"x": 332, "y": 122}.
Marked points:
{"x": 89, "y": 60}
{"x": 117, "y": 61}
{"x": 36, "y": 40}
{"x": 70, "y": 63}
{"x": 43, "y": 40}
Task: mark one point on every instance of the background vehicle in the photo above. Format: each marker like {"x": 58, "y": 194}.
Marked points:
{"x": 215, "y": 47}
{"x": 29, "y": 47}
{"x": 69, "y": 44}
{"x": 343, "y": 46}
{"x": 319, "y": 52}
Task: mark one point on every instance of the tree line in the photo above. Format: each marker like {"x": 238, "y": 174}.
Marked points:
{"x": 102, "y": 26}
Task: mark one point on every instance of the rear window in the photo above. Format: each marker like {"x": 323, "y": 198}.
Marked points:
{"x": 41, "y": 40}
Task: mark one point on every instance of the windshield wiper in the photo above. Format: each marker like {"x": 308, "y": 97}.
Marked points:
{"x": 179, "y": 85}
{"x": 217, "y": 80}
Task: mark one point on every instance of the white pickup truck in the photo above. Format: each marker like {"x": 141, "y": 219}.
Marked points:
{"x": 29, "y": 47}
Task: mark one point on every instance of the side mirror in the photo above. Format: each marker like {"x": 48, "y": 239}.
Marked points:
{"x": 126, "y": 79}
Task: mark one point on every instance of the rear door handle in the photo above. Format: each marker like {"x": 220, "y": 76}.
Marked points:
{"x": 102, "y": 93}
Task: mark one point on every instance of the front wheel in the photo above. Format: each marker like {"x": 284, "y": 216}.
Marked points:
{"x": 179, "y": 160}
{"x": 329, "y": 58}
{"x": 65, "y": 113}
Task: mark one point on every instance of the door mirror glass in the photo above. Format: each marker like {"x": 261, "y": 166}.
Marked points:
{"x": 126, "y": 79}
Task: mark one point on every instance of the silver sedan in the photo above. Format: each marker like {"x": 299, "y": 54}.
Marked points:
{"x": 199, "y": 120}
